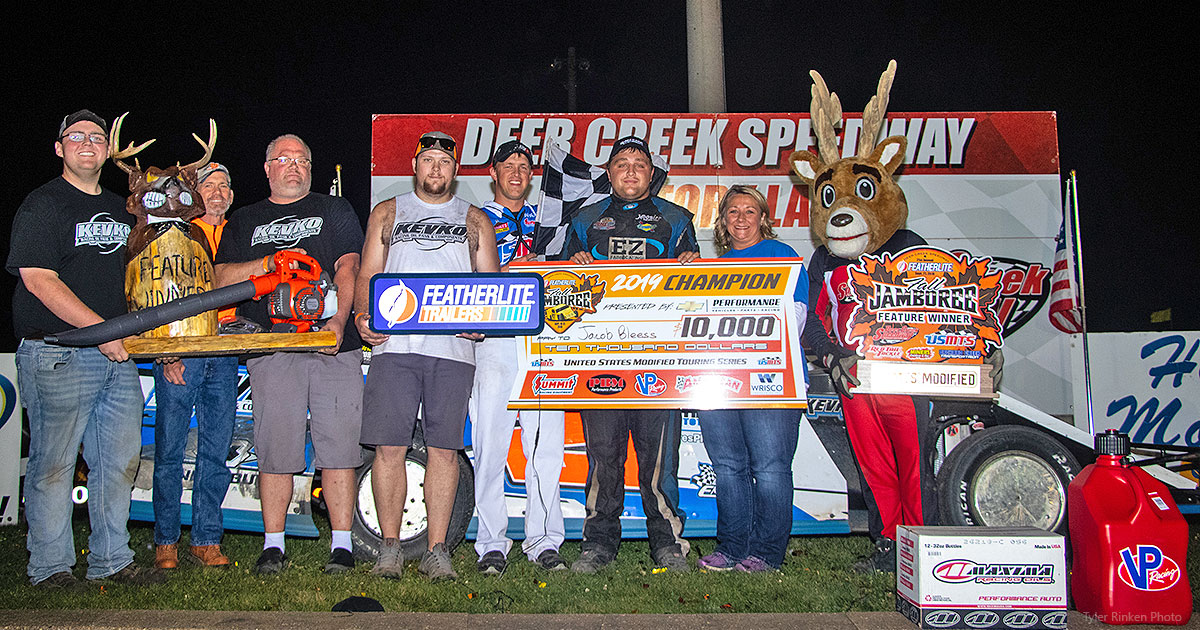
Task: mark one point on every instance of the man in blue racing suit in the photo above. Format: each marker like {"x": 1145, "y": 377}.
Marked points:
{"x": 632, "y": 224}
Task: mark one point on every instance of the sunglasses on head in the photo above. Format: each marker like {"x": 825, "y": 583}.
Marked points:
{"x": 431, "y": 142}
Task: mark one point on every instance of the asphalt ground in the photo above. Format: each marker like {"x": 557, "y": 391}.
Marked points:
{"x": 235, "y": 620}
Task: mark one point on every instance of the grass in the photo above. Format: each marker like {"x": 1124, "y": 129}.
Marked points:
{"x": 813, "y": 579}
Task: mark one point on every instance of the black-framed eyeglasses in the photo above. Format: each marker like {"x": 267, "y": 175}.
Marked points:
{"x": 284, "y": 160}
{"x": 79, "y": 136}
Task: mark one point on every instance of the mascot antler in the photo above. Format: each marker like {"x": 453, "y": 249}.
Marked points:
{"x": 129, "y": 151}
{"x": 874, "y": 112}
{"x": 826, "y": 118}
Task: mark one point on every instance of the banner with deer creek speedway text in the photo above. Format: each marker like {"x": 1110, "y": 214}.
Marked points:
{"x": 981, "y": 182}
{"x": 657, "y": 334}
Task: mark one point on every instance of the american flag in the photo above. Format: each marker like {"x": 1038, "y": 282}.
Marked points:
{"x": 1066, "y": 314}
{"x": 569, "y": 184}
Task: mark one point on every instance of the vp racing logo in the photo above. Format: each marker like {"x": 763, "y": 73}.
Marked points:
{"x": 1147, "y": 568}
{"x": 286, "y": 231}
{"x": 430, "y": 233}
{"x": 101, "y": 231}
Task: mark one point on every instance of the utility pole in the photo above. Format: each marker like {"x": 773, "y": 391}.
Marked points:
{"x": 572, "y": 65}
{"x": 706, "y": 56}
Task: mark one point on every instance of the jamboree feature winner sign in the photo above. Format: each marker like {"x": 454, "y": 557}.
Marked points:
{"x": 658, "y": 334}
{"x": 448, "y": 304}
{"x": 923, "y": 322}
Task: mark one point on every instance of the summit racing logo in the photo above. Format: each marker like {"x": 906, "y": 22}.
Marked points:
{"x": 430, "y": 233}
{"x": 286, "y": 231}
{"x": 961, "y": 571}
{"x": 101, "y": 231}
{"x": 547, "y": 386}
{"x": 569, "y": 296}
{"x": 1147, "y": 568}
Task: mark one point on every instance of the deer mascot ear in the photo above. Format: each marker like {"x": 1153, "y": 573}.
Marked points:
{"x": 806, "y": 166}
{"x": 890, "y": 153}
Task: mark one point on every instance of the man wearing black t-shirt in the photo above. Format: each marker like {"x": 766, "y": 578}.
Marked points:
{"x": 291, "y": 386}
{"x": 68, "y": 251}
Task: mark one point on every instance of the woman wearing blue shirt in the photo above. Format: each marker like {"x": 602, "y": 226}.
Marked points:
{"x": 752, "y": 449}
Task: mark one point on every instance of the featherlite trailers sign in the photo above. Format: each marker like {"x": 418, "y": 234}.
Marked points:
{"x": 983, "y": 182}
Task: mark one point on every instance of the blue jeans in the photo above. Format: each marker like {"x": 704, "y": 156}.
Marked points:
{"x": 210, "y": 385}
{"x": 751, "y": 452}
{"x": 76, "y": 395}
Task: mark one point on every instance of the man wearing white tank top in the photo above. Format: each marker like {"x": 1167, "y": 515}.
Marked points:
{"x": 427, "y": 230}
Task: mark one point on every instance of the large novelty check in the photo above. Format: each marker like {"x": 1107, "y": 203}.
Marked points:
{"x": 658, "y": 334}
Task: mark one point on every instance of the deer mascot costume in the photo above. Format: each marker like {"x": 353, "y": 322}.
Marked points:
{"x": 857, "y": 208}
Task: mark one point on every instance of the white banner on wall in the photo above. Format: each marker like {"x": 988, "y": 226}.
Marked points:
{"x": 10, "y": 440}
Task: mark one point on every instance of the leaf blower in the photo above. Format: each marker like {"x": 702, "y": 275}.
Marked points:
{"x": 299, "y": 294}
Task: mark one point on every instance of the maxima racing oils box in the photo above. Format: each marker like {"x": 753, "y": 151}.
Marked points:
{"x": 981, "y": 577}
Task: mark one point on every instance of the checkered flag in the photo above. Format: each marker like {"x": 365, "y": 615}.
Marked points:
{"x": 569, "y": 184}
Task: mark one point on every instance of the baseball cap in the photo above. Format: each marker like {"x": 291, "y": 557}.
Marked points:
{"x": 437, "y": 140}
{"x": 83, "y": 114}
{"x": 210, "y": 168}
{"x": 630, "y": 142}
{"x": 507, "y": 149}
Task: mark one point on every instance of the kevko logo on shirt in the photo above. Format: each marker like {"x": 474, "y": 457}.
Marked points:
{"x": 101, "y": 231}
{"x": 286, "y": 231}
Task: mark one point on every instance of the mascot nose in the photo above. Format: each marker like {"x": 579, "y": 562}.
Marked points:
{"x": 841, "y": 220}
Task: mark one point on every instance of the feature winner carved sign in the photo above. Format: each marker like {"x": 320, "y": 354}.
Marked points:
{"x": 924, "y": 321}
{"x": 707, "y": 335}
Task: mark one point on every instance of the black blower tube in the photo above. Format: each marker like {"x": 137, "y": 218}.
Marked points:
{"x": 153, "y": 317}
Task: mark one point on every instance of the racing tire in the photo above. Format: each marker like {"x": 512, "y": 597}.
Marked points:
{"x": 364, "y": 530}
{"x": 1007, "y": 476}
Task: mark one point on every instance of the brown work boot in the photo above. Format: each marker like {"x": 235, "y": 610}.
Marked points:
{"x": 166, "y": 556}
{"x": 208, "y": 556}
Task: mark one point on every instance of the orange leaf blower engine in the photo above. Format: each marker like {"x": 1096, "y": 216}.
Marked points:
{"x": 298, "y": 292}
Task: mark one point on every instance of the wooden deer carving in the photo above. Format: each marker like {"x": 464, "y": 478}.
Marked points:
{"x": 168, "y": 256}
{"x": 855, "y": 205}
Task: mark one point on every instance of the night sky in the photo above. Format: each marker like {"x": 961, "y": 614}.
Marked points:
{"x": 321, "y": 70}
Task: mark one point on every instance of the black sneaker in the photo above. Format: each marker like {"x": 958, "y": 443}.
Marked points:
{"x": 592, "y": 560}
{"x": 492, "y": 563}
{"x": 133, "y": 575}
{"x": 271, "y": 560}
{"x": 882, "y": 560}
{"x": 549, "y": 560}
{"x": 64, "y": 580}
{"x": 340, "y": 561}
{"x": 670, "y": 558}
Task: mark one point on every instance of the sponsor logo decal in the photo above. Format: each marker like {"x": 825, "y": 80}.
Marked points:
{"x": 1147, "y": 568}
{"x": 605, "y": 223}
{"x": 885, "y": 352}
{"x": 824, "y": 406}
{"x": 649, "y": 384}
{"x": 766, "y": 383}
{"x": 398, "y": 303}
{"x": 1020, "y": 619}
{"x": 950, "y": 339}
{"x": 542, "y": 363}
{"x": 569, "y": 296}
{"x": 770, "y": 361}
{"x": 941, "y": 618}
{"x": 101, "y": 231}
{"x": 1024, "y": 288}
{"x": 646, "y": 227}
{"x": 921, "y": 353}
{"x": 705, "y": 480}
{"x": 429, "y": 234}
{"x": 606, "y": 384}
{"x": 960, "y": 571}
{"x": 547, "y": 386}
{"x": 1056, "y": 619}
{"x": 894, "y": 334}
{"x": 690, "y": 306}
{"x": 981, "y": 619}
{"x": 286, "y": 231}
{"x": 685, "y": 384}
